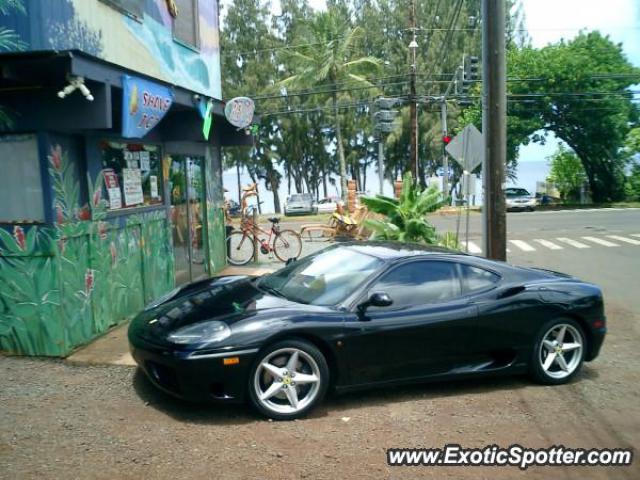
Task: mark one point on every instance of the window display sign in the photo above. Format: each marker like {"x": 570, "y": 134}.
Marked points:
{"x": 132, "y": 187}
{"x": 113, "y": 189}
{"x": 144, "y": 104}
{"x": 132, "y": 174}
{"x": 153, "y": 186}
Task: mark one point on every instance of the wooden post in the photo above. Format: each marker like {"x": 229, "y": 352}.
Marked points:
{"x": 351, "y": 195}
{"x": 397, "y": 188}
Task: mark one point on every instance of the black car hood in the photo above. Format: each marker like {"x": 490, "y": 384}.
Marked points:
{"x": 227, "y": 299}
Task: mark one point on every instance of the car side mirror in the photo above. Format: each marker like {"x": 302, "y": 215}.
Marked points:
{"x": 376, "y": 299}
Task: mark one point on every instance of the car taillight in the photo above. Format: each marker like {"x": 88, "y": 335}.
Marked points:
{"x": 598, "y": 323}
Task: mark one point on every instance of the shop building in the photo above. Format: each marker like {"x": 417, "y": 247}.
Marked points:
{"x": 110, "y": 194}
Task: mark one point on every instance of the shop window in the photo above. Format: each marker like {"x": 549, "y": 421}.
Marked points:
{"x": 132, "y": 174}
{"x": 20, "y": 182}
{"x": 185, "y": 23}
{"x": 133, "y": 8}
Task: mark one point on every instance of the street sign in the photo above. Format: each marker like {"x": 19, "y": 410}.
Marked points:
{"x": 386, "y": 127}
{"x": 386, "y": 103}
{"x": 467, "y": 148}
{"x": 386, "y": 115}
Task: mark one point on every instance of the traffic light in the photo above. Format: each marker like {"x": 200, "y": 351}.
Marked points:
{"x": 470, "y": 70}
{"x": 446, "y": 139}
{"x": 469, "y": 76}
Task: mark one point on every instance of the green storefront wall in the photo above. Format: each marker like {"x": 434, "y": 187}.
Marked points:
{"x": 63, "y": 284}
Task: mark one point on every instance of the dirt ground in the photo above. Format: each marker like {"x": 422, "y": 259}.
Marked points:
{"x": 64, "y": 421}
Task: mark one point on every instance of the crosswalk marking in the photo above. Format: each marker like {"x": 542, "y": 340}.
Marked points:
{"x": 601, "y": 241}
{"x": 474, "y": 248}
{"x": 548, "y": 244}
{"x": 559, "y": 243}
{"x": 624, "y": 239}
{"x": 573, "y": 243}
{"x": 524, "y": 246}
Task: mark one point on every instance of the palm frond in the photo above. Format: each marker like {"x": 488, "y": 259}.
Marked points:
{"x": 10, "y": 40}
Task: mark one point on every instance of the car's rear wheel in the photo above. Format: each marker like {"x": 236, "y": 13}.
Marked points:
{"x": 559, "y": 352}
{"x": 288, "y": 380}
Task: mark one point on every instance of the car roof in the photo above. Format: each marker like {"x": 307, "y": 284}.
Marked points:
{"x": 387, "y": 250}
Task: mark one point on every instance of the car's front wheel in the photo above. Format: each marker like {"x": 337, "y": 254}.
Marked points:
{"x": 288, "y": 380}
{"x": 559, "y": 352}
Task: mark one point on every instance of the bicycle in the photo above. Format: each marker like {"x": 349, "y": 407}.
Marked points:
{"x": 241, "y": 243}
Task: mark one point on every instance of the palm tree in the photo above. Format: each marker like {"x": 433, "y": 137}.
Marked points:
{"x": 329, "y": 61}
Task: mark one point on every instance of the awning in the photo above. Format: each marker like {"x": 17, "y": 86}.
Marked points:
{"x": 30, "y": 82}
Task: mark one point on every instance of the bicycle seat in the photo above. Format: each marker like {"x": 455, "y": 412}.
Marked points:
{"x": 274, "y": 219}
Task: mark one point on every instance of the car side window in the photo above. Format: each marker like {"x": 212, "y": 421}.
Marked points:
{"x": 478, "y": 278}
{"x": 419, "y": 283}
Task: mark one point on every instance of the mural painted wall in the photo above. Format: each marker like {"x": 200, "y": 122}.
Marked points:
{"x": 62, "y": 285}
{"x": 144, "y": 43}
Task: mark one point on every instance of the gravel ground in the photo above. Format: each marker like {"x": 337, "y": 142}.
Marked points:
{"x": 64, "y": 421}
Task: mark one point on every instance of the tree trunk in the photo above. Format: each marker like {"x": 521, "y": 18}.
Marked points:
{"x": 341, "y": 158}
{"x": 275, "y": 183}
{"x": 324, "y": 182}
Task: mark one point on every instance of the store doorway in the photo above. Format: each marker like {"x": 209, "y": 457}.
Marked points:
{"x": 186, "y": 185}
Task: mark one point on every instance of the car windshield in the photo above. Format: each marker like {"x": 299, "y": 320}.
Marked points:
{"x": 516, "y": 192}
{"x": 326, "y": 278}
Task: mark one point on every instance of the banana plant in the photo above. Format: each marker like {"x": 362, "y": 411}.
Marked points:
{"x": 405, "y": 217}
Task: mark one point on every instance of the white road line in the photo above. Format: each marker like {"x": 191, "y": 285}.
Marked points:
{"x": 624, "y": 239}
{"x": 600, "y": 241}
{"x": 473, "y": 248}
{"x": 573, "y": 243}
{"x": 635, "y": 235}
{"x": 524, "y": 246}
{"x": 548, "y": 244}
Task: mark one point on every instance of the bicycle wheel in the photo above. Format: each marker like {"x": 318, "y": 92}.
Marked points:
{"x": 239, "y": 248}
{"x": 287, "y": 245}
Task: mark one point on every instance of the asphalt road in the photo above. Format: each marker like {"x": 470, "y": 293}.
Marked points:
{"x": 64, "y": 421}
{"x": 578, "y": 222}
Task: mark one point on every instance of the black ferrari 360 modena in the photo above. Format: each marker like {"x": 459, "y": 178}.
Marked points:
{"x": 365, "y": 314}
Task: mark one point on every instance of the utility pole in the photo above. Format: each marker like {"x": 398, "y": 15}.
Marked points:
{"x": 494, "y": 128}
{"x": 445, "y": 159}
{"x": 380, "y": 162}
{"x": 413, "y": 105}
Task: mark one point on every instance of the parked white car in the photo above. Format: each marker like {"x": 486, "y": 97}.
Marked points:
{"x": 328, "y": 204}
{"x": 520, "y": 199}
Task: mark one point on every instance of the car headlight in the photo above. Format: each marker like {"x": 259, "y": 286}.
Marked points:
{"x": 164, "y": 298}
{"x": 200, "y": 333}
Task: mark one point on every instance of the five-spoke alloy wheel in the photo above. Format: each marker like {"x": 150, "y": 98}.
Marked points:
{"x": 288, "y": 379}
{"x": 559, "y": 352}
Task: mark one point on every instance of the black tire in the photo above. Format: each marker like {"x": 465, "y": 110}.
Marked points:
{"x": 287, "y": 244}
{"x": 240, "y": 248}
{"x": 256, "y": 372}
{"x": 536, "y": 369}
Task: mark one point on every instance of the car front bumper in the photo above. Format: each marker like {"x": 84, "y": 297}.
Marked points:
{"x": 521, "y": 206}
{"x": 595, "y": 343}
{"x": 202, "y": 378}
